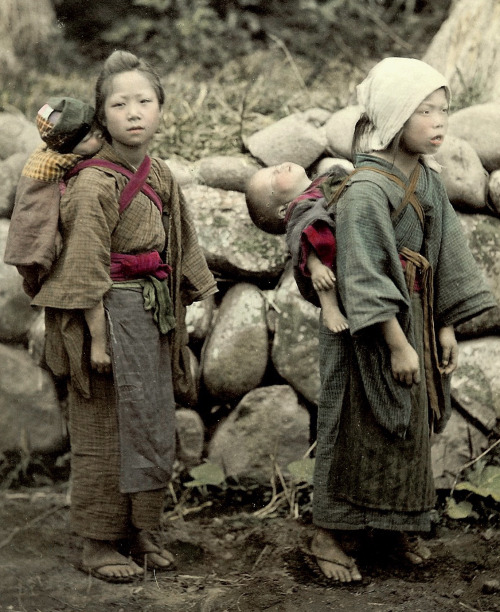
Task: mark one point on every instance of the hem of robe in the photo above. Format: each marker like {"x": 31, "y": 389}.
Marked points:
{"x": 345, "y": 516}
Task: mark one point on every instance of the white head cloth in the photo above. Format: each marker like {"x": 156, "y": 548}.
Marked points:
{"x": 391, "y": 92}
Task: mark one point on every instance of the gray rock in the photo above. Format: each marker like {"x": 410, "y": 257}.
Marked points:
{"x": 36, "y": 337}
{"x": 225, "y": 172}
{"x": 294, "y": 138}
{"x": 340, "y": 130}
{"x": 10, "y": 171}
{"x": 234, "y": 247}
{"x": 476, "y": 385}
{"x": 494, "y": 191}
{"x": 295, "y": 345}
{"x": 326, "y": 163}
{"x": 235, "y": 354}
{"x": 317, "y": 116}
{"x": 478, "y": 125}
{"x": 199, "y": 317}
{"x": 17, "y": 135}
{"x": 268, "y": 425}
{"x": 463, "y": 175}
{"x": 16, "y": 314}
{"x": 483, "y": 234}
{"x": 459, "y": 443}
{"x": 190, "y": 434}
{"x": 184, "y": 171}
{"x": 30, "y": 418}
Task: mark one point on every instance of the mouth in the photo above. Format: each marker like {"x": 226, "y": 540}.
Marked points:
{"x": 437, "y": 140}
{"x": 136, "y": 128}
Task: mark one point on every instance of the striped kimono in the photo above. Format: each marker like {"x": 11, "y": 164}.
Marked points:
{"x": 373, "y": 464}
{"x": 120, "y": 468}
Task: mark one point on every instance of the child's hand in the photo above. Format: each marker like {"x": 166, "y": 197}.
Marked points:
{"x": 449, "y": 349}
{"x": 404, "y": 364}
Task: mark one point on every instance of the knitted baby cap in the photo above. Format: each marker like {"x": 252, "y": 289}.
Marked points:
{"x": 73, "y": 123}
{"x": 391, "y": 92}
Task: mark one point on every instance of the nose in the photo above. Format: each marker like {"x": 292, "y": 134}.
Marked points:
{"x": 133, "y": 111}
{"x": 441, "y": 119}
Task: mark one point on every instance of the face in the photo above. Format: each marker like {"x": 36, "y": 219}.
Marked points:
{"x": 90, "y": 144}
{"x": 283, "y": 183}
{"x": 131, "y": 111}
{"x": 425, "y": 130}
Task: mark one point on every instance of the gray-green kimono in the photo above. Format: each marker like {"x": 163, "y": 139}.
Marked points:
{"x": 373, "y": 465}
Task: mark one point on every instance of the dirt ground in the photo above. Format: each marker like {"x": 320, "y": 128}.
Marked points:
{"x": 233, "y": 561}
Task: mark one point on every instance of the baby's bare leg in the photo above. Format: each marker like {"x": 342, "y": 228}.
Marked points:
{"x": 332, "y": 317}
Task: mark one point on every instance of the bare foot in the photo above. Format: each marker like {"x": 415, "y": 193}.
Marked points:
{"x": 412, "y": 548}
{"x": 334, "y": 319}
{"x": 101, "y": 559}
{"x": 332, "y": 560}
{"x": 144, "y": 549}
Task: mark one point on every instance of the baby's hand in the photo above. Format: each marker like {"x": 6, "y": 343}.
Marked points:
{"x": 58, "y": 244}
{"x": 99, "y": 357}
{"x": 322, "y": 277}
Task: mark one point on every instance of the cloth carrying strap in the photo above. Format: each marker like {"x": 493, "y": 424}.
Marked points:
{"x": 409, "y": 190}
{"x": 137, "y": 180}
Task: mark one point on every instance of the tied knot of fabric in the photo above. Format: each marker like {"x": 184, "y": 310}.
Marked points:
{"x": 126, "y": 266}
{"x": 433, "y": 372}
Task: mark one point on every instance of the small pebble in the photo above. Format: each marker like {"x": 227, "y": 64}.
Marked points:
{"x": 491, "y": 586}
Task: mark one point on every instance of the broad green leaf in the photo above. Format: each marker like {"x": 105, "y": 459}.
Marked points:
{"x": 458, "y": 511}
{"x": 302, "y": 470}
{"x": 206, "y": 474}
{"x": 483, "y": 481}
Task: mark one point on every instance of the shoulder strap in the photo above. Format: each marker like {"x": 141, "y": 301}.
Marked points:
{"x": 137, "y": 180}
{"x": 408, "y": 198}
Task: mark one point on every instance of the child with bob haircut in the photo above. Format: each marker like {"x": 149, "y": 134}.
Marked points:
{"x": 405, "y": 278}
{"x": 67, "y": 128}
{"x": 115, "y": 304}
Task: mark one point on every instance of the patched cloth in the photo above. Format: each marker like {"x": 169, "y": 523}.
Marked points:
{"x": 72, "y": 124}
{"x": 48, "y": 165}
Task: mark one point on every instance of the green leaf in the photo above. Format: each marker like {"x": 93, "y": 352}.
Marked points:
{"x": 302, "y": 470}
{"x": 458, "y": 511}
{"x": 206, "y": 474}
{"x": 483, "y": 481}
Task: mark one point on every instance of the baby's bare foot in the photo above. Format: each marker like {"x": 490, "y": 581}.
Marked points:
{"x": 334, "y": 320}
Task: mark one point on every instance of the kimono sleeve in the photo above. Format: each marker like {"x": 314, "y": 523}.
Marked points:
{"x": 369, "y": 272}
{"x": 88, "y": 214}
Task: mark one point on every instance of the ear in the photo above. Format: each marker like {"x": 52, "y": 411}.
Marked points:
{"x": 282, "y": 210}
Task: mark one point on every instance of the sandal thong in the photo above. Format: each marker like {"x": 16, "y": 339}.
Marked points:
{"x": 142, "y": 548}
{"x": 306, "y": 549}
{"x": 116, "y": 559}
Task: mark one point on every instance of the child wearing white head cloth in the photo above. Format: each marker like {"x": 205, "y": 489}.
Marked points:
{"x": 405, "y": 277}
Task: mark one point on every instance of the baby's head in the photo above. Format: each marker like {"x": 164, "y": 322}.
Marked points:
{"x": 269, "y": 192}
{"x": 66, "y": 125}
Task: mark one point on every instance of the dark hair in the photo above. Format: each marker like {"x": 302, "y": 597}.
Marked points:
{"x": 118, "y": 62}
{"x": 363, "y": 125}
